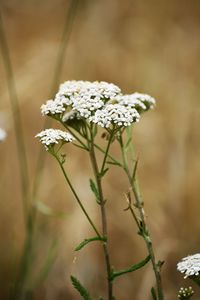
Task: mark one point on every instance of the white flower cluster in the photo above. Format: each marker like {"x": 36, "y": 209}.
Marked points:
{"x": 52, "y": 107}
{"x": 185, "y": 293}
{"x": 3, "y": 135}
{"x": 115, "y": 114}
{"x": 81, "y": 96}
{"x": 190, "y": 265}
{"x": 139, "y": 101}
{"x": 54, "y": 136}
{"x": 99, "y": 102}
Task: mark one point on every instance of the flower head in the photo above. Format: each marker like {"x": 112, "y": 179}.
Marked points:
{"x": 50, "y": 137}
{"x": 3, "y": 135}
{"x": 116, "y": 114}
{"x": 185, "y": 293}
{"x": 141, "y": 102}
{"x": 190, "y": 265}
{"x": 99, "y": 102}
{"x": 52, "y": 107}
{"x": 83, "y": 97}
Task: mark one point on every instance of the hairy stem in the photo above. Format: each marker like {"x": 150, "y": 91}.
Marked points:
{"x": 103, "y": 210}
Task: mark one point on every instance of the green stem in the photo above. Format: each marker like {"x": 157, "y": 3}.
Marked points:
{"x": 75, "y": 195}
{"x": 75, "y": 135}
{"x": 107, "y": 150}
{"x": 110, "y": 156}
{"x": 103, "y": 214}
{"x": 143, "y": 228}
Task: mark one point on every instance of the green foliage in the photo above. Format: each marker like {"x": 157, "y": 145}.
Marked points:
{"x": 153, "y": 293}
{"x": 127, "y": 145}
{"x": 82, "y": 290}
{"x": 133, "y": 268}
{"x": 95, "y": 190}
{"x": 86, "y": 241}
{"x": 115, "y": 163}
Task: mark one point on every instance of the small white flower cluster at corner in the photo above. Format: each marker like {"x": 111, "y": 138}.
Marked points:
{"x": 3, "y": 135}
{"x": 185, "y": 293}
{"x": 54, "y": 136}
{"x": 190, "y": 265}
{"x": 98, "y": 102}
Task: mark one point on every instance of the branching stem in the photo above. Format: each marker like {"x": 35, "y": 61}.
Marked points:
{"x": 143, "y": 228}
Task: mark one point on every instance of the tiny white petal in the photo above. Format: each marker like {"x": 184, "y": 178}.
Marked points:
{"x": 115, "y": 114}
{"x": 137, "y": 100}
{"x": 3, "y": 135}
{"x": 54, "y": 136}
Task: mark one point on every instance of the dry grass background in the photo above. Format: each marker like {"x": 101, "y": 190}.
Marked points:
{"x": 146, "y": 46}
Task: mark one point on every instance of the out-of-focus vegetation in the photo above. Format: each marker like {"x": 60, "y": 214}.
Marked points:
{"x": 146, "y": 46}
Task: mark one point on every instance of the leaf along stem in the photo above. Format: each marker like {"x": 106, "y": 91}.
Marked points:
{"x": 130, "y": 269}
{"x": 143, "y": 228}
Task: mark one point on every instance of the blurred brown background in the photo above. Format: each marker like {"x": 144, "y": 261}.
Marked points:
{"x": 145, "y": 46}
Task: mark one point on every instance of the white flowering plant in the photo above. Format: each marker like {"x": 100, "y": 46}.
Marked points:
{"x": 84, "y": 109}
{"x": 190, "y": 267}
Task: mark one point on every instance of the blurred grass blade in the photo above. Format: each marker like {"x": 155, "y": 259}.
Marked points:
{"x": 46, "y": 210}
{"x": 71, "y": 12}
{"x": 23, "y": 166}
{"x": 87, "y": 241}
{"x": 82, "y": 290}
{"x": 51, "y": 256}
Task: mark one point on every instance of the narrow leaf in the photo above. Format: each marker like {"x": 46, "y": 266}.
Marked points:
{"x": 79, "y": 146}
{"x": 134, "y": 171}
{"x": 82, "y": 290}
{"x": 131, "y": 269}
{"x": 95, "y": 131}
{"x": 127, "y": 144}
{"x": 116, "y": 163}
{"x": 87, "y": 241}
{"x": 94, "y": 190}
{"x": 153, "y": 293}
{"x": 103, "y": 172}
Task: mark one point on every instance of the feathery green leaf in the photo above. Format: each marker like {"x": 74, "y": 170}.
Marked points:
{"x": 82, "y": 290}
